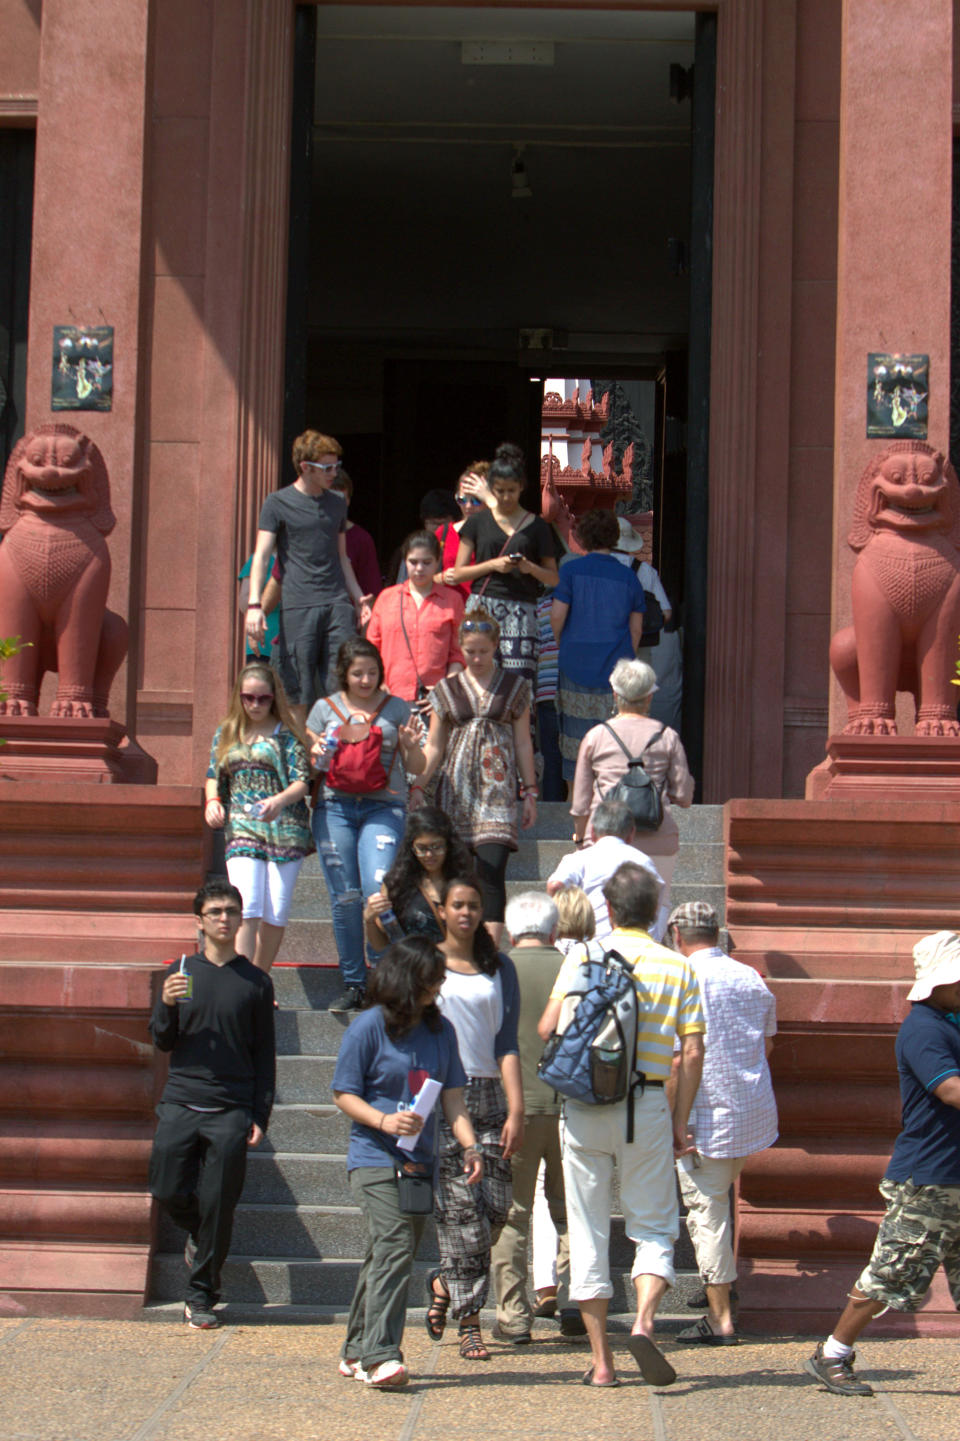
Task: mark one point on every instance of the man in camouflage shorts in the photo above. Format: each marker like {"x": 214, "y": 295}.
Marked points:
{"x": 920, "y": 1229}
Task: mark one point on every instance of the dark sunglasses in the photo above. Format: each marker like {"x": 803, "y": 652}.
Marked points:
{"x": 256, "y": 697}
{"x": 469, "y": 500}
{"x": 484, "y": 627}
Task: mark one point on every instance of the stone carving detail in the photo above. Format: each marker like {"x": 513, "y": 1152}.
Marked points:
{"x": 55, "y": 574}
{"x": 906, "y": 593}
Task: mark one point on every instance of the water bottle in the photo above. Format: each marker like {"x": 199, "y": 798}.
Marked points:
{"x": 327, "y": 747}
{"x": 390, "y": 924}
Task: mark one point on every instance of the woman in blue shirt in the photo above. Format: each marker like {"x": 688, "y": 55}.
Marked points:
{"x": 597, "y": 618}
{"x": 386, "y": 1055}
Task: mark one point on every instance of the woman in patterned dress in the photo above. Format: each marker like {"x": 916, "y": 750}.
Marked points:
{"x": 480, "y": 742}
{"x": 256, "y": 786}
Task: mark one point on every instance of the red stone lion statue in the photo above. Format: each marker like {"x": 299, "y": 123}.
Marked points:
{"x": 55, "y": 574}
{"x": 906, "y": 593}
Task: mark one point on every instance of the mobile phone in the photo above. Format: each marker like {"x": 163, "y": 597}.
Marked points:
{"x": 515, "y": 555}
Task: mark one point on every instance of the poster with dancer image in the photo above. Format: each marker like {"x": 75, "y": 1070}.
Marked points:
{"x": 82, "y": 367}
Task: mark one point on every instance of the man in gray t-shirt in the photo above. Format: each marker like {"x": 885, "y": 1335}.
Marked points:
{"x": 306, "y": 523}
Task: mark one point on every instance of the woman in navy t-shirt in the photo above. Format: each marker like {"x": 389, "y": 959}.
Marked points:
{"x": 385, "y": 1057}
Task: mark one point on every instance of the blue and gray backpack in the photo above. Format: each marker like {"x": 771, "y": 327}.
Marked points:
{"x": 591, "y": 1057}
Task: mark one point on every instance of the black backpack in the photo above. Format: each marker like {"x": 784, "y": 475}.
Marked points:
{"x": 636, "y": 790}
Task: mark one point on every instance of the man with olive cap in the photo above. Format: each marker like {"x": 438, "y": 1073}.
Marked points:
{"x": 920, "y": 1229}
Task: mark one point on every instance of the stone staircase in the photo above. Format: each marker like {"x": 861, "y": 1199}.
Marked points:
{"x": 297, "y": 1235}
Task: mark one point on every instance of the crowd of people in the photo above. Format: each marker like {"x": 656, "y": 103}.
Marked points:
{"x": 421, "y": 757}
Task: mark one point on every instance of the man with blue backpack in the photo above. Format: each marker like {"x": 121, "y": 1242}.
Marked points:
{"x": 610, "y": 1027}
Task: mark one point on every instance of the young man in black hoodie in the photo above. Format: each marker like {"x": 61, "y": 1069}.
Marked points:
{"x": 214, "y": 1015}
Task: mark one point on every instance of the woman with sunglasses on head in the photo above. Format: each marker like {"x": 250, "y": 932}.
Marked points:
{"x": 481, "y": 997}
{"x": 473, "y": 493}
{"x": 429, "y": 854}
{"x": 506, "y": 553}
{"x": 387, "y": 1053}
{"x": 255, "y": 790}
{"x": 479, "y": 740}
{"x": 359, "y": 814}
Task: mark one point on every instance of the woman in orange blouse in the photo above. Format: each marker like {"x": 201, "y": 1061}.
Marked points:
{"x": 414, "y": 624}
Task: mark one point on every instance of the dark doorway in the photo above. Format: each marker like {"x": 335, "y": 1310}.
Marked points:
{"x": 488, "y": 212}
{"x": 17, "y": 148}
{"x": 438, "y": 416}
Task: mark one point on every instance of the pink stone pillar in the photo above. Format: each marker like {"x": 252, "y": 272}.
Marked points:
{"x": 88, "y": 234}
{"x": 893, "y": 283}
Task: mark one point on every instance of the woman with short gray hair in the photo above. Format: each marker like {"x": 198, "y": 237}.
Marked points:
{"x": 603, "y": 758}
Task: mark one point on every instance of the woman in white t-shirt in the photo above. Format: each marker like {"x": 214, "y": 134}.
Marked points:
{"x": 481, "y": 998}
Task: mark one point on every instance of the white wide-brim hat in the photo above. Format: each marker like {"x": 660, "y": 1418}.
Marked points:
{"x": 936, "y": 962}
{"x": 630, "y": 539}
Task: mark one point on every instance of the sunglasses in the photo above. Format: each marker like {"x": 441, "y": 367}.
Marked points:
{"x": 481, "y": 627}
{"x": 432, "y": 850}
{"x": 256, "y": 697}
{"x": 469, "y": 500}
{"x": 315, "y": 465}
{"x": 215, "y": 914}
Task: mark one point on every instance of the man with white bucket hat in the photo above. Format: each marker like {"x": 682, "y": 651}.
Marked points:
{"x": 920, "y": 1229}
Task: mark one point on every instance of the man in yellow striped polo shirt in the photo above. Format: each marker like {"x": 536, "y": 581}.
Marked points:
{"x": 594, "y": 1138}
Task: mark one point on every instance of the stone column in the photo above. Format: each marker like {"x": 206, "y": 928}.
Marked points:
{"x": 893, "y": 283}
{"x": 88, "y": 233}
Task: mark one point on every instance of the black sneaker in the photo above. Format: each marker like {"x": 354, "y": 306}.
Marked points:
{"x": 198, "y": 1318}
{"x": 837, "y": 1373}
{"x": 351, "y": 1000}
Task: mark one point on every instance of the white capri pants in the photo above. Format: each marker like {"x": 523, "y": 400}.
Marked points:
{"x": 266, "y": 887}
{"x": 706, "y": 1192}
{"x": 594, "y": 1141}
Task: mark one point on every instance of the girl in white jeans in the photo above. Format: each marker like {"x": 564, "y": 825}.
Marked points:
{"x": 256, "y": 786}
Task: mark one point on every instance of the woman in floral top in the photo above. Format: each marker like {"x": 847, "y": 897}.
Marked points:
{"x": 256, "y": 786}
{"x": 480, "y": 742}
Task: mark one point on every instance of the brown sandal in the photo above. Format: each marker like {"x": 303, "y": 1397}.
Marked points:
{"x": 471, "y": 1344}
{"x": 436, "y": 1317}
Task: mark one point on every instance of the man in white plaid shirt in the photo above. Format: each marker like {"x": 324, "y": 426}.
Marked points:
{"x": 734, "y": 1113}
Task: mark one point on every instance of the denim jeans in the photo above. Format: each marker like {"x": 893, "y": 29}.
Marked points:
{"x": 357, "y": 839}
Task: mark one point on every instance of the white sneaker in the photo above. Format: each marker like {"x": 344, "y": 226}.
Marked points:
{"x": 388, "y": 1373}
{"x": 352, "y": 1370}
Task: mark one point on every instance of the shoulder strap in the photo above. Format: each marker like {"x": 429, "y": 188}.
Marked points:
{"x": 656, "y": 736}
{"x": 336, "y": 710}
{"x": 403, "y": 627}
{"x": 607, "y": 727}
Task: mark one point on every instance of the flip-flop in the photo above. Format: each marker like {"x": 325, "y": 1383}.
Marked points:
{"x": 599, "y": 1385}
{"x": 654, "y": 1366}
{"x": 703, "y": 1334}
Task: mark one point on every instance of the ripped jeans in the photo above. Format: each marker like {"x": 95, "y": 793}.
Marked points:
{"x": 357, "y": 839}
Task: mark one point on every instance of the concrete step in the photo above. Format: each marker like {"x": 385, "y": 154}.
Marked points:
{"x": 306, "y": 1128}
{"x": 297, "y": 1281}
{"x": 304, "y": 1079}
{"x": 308, "y": 1032}
{"x": 338, "y": 1233}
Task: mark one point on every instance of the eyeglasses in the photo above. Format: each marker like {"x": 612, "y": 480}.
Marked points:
{"x": 315, "y": 465}
{"x": 469, "y": 500}
{"x": 481, "y": 627}
{"x": 256, "y": 697}
{"x": 228, "y": 911}
{"x": 433, "y": 849}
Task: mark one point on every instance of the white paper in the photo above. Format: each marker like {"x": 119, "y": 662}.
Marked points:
{"x": 422, "y": 1106}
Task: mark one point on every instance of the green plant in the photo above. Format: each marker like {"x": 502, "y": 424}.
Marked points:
{"x": 10, "y": 646}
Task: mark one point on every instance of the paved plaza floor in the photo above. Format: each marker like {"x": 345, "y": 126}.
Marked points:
{"x": 80, "y": 1380}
